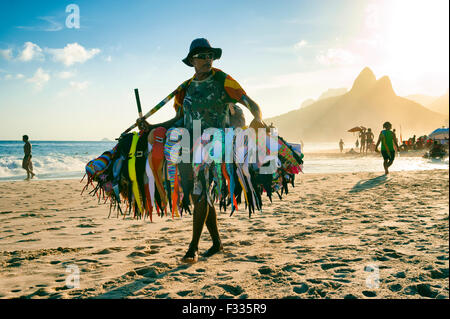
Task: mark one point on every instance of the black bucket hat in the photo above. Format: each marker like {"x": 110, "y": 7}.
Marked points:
{"x": 201, "y": 45}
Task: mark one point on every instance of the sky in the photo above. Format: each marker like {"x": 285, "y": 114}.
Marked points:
{"x": 63, "y": 78}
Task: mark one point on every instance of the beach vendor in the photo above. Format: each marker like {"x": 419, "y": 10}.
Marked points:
{"x": 210, "y": 97}
{"x": 387, "y": 139}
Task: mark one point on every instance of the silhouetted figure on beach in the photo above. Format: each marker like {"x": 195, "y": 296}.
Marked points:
{"x": 362, "y": 137}
{"x": 357, "y": 143}
{"x": 341, "y": 145}
{"x": 26, "y": 162}
{"x": 437, "y": 150}
{"x": 388, "y": 140}
{"x": 369, "y": 140}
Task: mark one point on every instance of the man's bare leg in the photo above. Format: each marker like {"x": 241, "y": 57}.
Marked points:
{"x": 199, "y": 217}
{"x": 211, "y": 224}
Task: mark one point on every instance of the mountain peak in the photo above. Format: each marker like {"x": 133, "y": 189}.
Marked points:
{"x": 384, "y": 85}
{"x": 365, "y": 80}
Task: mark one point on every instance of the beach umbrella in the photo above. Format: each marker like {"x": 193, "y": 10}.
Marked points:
{"x": 355, "y": 129}
{"x": 439, "y": 134}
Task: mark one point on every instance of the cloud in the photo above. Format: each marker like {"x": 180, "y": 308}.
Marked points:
{"x": 300, "y": 44}
{"x": 65, "y": 74}
{"x": 10, "y": 76}
{"x": 320, "y": 80}
{"x": 336, "y": 57}
{"x": 372, "y": 17}
{"x": 6, "y": 54}
{"x": 73, "y": 53}
{"x": 51, "y": 26}
{"x": 40, "y": 78}
{"x": 74, "y": 86}
{"x": 31, "y": 51}
{"x": 78, "y": 86}
{"x": 108, "y": 58}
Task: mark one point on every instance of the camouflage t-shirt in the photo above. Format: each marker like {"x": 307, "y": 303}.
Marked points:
{"x": 209, "y": 100}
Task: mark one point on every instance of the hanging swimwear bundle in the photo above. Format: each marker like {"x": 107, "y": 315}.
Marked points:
{"x": 144, "y": 172}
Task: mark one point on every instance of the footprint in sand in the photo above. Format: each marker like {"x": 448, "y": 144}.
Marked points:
{"x": 139, "y": 254}
{"x": 265, "y": 270}
{"x": 301, "y": 289}
{"x": 87, "y": 225}
{"x": 27, "y": 240}
{"x": 56, "y": 228}
{"x": 395, "y": 287}
{"x": 441, "y": 273}
{"x": 245, "y": 243}
{"x": 105, "y": 251}
{"x": 234, "y": 290}
{"x": 149, "y": 272}
{"x": 41, "y": 292}
{"x": 332, "y": 265}
{"x": 184, "y": 293}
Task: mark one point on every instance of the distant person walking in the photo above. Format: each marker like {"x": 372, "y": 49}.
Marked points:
{"x": 388, "y": 140}
{"x": 341, "y": 145}
{"x": 369, "y": 140}
{"x": 362, "y": 137}
{"x": 357, "y": 143}
{"x": 26, "y": 162}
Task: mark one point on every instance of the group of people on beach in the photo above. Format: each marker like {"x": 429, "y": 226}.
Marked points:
{"x": 367, "y": 141}
{"x": 413, "y": 143}
{"x": 387, "y": 139}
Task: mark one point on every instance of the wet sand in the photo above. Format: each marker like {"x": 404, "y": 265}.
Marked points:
{"x": 351, "y": 235}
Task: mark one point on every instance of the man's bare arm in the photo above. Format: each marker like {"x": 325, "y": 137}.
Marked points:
{"x": 251, "y": 106}
{"x": 144, "y": 125}
{"x": 378, "y": 143}
{"x": 395, "y": 141}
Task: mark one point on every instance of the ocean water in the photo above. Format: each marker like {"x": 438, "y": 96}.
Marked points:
{"x": 67, "y": 160}
{"x": 369, "y": 163}
{"x": 51, "y": 159}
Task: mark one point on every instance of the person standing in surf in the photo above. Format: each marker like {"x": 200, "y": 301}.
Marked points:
{"x": 388, "y": 140}
{"x": 209, "y": 97}
{"x": 341, "y": 145}
{"x": 26, "y": 162}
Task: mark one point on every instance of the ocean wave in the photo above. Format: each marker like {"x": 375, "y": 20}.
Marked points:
{"x": 50, "y": 165}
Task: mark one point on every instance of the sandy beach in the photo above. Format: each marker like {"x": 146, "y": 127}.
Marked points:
{"x": 351, "y": 235}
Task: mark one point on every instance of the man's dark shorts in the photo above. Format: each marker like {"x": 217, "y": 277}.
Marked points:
{"x": 386, "y": 156}
{"x": 26, "y": 163}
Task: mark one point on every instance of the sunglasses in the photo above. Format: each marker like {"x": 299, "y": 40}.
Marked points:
{"x": 204, "y": 56}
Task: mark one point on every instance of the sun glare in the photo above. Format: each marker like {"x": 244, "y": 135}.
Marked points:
{"x": 416, "y": 34}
